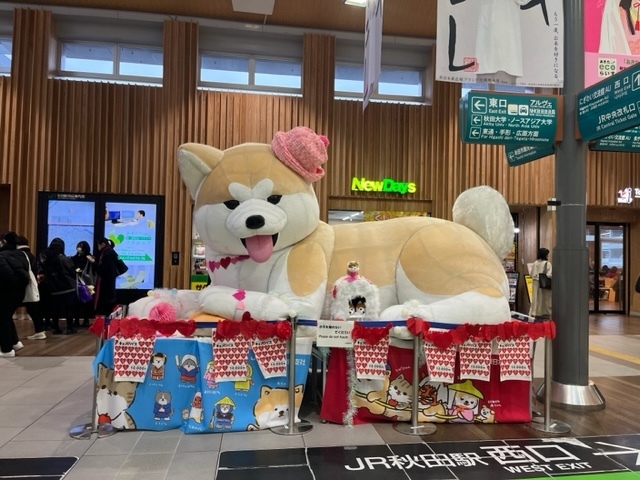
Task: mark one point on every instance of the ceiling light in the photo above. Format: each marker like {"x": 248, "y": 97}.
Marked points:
{"x": 356, "y": 3}
{"x": 261, "y": 7}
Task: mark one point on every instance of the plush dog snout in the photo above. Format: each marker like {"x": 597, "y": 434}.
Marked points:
{"x": 254, "y": 222}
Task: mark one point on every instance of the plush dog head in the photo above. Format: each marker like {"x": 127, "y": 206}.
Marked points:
{"x": 248, "y": 201}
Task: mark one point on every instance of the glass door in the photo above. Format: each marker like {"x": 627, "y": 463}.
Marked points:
{"x": 607, "y": 246}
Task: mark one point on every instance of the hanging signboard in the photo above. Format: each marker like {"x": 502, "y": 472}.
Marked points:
{"x": 610, "y": 106}
{"x": 508, "y": 119}
{"x": 372, "y": 49}
{"x": 627, "y": 141}
{"x": 519, "y": 155}
{"x": 610, "y": 38}
{"x": 518, "y": 42}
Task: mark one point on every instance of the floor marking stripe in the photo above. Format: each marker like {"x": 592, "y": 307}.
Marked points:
{"x": 613, "y": 353}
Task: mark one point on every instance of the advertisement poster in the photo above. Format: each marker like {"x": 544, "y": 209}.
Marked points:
{"x": 72, "y": 221}
{"x": 611, "y": 38}
{"x": 132, "y": 228}
{"x": 514, "y": 42}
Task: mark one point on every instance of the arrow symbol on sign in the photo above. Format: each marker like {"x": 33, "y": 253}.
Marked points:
{"x": 476, "y": 120}
{"x": 477, "y": 105}
{"x": 636, "y": 81}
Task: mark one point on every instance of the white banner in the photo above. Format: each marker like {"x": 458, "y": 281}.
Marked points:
{"x": 516, "y": 42}
{"x": 372, "y": 49}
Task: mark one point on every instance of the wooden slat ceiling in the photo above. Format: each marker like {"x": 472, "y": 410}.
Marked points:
{"x": 406, "y": 18}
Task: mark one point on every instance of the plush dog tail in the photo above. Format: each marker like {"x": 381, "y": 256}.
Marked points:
{"x": 485, "y": 211}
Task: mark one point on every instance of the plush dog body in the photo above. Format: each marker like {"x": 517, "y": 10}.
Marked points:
{"x": 269, "y": 254}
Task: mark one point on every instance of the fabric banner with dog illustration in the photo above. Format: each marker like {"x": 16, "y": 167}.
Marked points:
{"x": 390, "y": 399}
{"x": 475, "y": 360}
{"x": 515, "y": 359}
{"x": 131, "y": 357}
{"x": 185, "y": 394}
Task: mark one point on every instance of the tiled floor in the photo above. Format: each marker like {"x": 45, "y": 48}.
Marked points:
{"x": 42, "y": 397}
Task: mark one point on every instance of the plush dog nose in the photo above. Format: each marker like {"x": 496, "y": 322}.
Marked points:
{"x": 254, "y": 222}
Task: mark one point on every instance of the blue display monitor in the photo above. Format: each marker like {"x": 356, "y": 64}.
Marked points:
{"x": 72, "y": 221}
{"x": 131, "y": 226}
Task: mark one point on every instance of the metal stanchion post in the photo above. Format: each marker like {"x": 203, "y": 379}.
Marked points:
{"x": 292, "y": 428}
{"x": 415, "y": 428}
{"x": 84, "y": 432}
{"x": 546, "y": 424}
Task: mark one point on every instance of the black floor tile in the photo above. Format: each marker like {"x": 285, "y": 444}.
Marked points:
{"x": 53, "y": 467}
{"x": 268, "y": 473}
{"x": 354, "y": 463}
{"x": 263, "y": 458}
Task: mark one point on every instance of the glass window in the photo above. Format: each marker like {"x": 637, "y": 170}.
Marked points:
{"x": 5, "y": 54}
{"x": 225, "y": 69}
{"x": 87, "y": 58}
{"x": 141, "y": 62}
{"x": 398, "y": 82}
{"x": 349, "y": 78}
{"x": 278, "y": 73}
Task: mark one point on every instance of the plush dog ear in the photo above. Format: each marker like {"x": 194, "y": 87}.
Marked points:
{"x": 195, "y": 162}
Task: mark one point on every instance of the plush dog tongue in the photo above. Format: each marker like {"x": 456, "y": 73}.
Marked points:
{"x": 260, "y": 247}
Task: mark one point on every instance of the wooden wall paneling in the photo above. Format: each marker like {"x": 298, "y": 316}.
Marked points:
{"x": 32, "y": 36}
{"x": 5, "y": 129}
{"x": 180, "y": 78}
{"x": 318, "y": 92}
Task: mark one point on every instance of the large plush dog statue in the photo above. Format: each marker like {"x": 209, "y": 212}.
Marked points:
{"x": 269, "y": 254}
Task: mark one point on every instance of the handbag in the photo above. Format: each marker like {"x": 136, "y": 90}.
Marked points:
{"x": 121, "y": 267}
{"x": 31, "y": 294}
{"x": 543, "y": 280}
{"x": 87, "y": 275}
{"x": 82, "y": 290}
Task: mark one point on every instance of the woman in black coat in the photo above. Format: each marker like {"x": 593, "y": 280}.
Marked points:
{"x": 107, "y": 271}
{"x": 60, "y": 280}
{"x": 84, "y": 263}
{"x": 14, "y": 278}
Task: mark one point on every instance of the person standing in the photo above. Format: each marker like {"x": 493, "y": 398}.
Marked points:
{"x": 84, "y": 263}
{"x": 33, "y": 308}
{"x": 541, "y": 302}
{"x": 14, "y": 278}
{"x": 60, "y": 279}
{"x": 107, "y": 271}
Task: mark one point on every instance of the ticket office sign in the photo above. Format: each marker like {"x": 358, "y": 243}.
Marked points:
{"x": 610, "y": 106}
{"x": 508, "y": 119}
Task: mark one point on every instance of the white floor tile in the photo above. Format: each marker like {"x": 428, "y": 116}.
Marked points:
{"x": 96, "y": 468}
{"x": 50, "y": 427}
{"x": 157, "y": 463}
{"x": 21, "y": 415}
{"x": 8, "y": 433}
{"x": 48, "y": 448}
{"x": 259, "y": 440}
{"x": 198, "y": 464}
{"x": 121, "y": 443}
{"x": 336, "y": 435}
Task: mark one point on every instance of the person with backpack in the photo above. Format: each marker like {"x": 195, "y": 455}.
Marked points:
{"x": 14, "y": 278}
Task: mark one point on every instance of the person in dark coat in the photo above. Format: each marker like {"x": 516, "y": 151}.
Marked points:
{"x": 84, "y": 263}
{"x": 33, "y": 308}
{"x": 60, "y": 279}
{"x": 107, "y": 271}
{"x": 14, "y": 278}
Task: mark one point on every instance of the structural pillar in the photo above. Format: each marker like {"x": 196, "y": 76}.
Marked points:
{"x": 570, "y": 386}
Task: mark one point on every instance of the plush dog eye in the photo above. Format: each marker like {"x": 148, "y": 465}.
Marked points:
{"x": 231, "y": 204}
{"x": 275, "y": 199}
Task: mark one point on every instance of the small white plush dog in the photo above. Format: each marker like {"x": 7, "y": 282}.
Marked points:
{"x": 269, "y": 254}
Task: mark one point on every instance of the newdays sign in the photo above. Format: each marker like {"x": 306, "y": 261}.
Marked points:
{"x": 387, "y": 185}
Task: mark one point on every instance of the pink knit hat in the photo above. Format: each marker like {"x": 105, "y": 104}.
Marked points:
{"x": 302, "y": 150}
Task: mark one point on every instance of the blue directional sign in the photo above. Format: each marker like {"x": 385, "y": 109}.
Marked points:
{"x": 508, "y": 119}
{"x": 610, "y": 106}
{"x": 519, "y": 155}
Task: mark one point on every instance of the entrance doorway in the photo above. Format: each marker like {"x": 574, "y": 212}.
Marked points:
{"x": 607, "y": 272}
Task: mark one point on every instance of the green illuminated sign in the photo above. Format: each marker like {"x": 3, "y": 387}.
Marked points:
{"x": 387, "y": 185}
